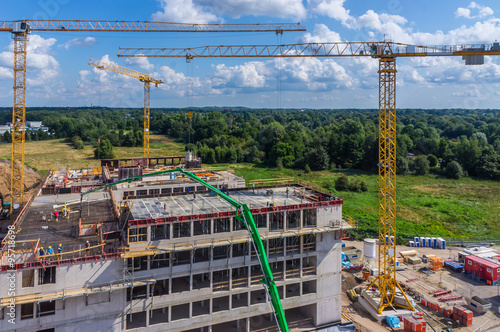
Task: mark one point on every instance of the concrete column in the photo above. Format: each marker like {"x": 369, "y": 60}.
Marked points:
{"x": 247, "y": 324}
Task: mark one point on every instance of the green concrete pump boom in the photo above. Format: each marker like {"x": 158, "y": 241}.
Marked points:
{"x": 242, "y": 214}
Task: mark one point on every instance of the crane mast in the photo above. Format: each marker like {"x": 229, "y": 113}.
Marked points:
{"x": 386, "y": 52}
{"x": 147, "y": 79}
{"x": 21, "y": 29}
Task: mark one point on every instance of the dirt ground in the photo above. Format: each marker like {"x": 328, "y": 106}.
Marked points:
{"x": 31, "y": 179}
{"x": 423, "y": 284}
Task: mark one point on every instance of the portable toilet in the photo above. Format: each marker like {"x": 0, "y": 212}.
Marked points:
{"x": 434, "y": 242}
{"x": 412, "y": 243}
{"x": 415, "y": 239}
{"x": 423, "y": 242}
{"x": 429, "y": 243}
{"x": 417, "y": 244}
{"x": 443, "y": 244}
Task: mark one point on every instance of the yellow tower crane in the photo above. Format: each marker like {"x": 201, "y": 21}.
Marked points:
{"x": 21, "y": 29}
{"x": 391, "y": 293}
{"x": 147, "y": 79}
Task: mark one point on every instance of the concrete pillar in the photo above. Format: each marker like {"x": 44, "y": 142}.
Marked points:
{"x": 248, "y": 323}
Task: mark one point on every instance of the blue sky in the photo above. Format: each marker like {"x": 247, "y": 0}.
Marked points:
{"x": 58, "y": 73}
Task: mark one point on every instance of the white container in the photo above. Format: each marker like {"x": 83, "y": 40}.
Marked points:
{"x": 370, "y": 248}
{"x": 433, "y": 242}
{"x": 423, "y": 242}
{"x": 412, "y": 243}
{"x": 429, "y": 244}
{"x": 417, "y": 244}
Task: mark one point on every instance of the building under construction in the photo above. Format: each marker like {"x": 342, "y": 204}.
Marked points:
{"x": 164, "y": 253}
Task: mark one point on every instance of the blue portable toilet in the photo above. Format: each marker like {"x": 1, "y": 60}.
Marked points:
{"x": 412, "y": 244}
{"x": 418, "y": 244}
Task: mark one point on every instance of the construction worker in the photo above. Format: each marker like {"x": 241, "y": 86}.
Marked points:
{"x": 50, "y": 251}
{"x": 64, "y": 211}
{"x": 56, "y": 215}
{"x": 87, "y": 246}
{"x": 41, "y": 252}
{"x": 287, "y": 190}
{"x": 59, "y": 251}
{"x": 253, "y": 187}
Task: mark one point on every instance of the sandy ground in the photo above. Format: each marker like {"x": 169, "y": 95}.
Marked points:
{"x": 424, "y": 284}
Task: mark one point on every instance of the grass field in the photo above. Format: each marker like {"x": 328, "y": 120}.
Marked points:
{"x": 426, "y": 205}
{"x": 46, "y": 155}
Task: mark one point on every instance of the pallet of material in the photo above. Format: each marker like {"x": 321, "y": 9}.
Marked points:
{"x": 450, "y": 298}
{"x": 413, "y": 260}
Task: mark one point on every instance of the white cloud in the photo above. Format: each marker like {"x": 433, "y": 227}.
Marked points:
{"x": 248, "y": 75}
{"x": 482, "y": 11}
{"x": 183, "y": 11}
{"x": 141, "y": 62}
{"x": 320, "y": 34}
{"x": 80, "y": 42}
{"x": 5, "y": 73}
{"x": 41, "y": 66}
{"x": 295, "y": 74}
{"x": 332, "y": 8}
{"x": 206, "y": 11}
{"x": 178, "y": 84}
{"x": 274, "y": 8}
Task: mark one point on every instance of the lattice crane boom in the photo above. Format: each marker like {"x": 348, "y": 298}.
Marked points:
{"x": 391, "y": 293}
{"x": 317, "y": 50}
{"x": 145, "y": 26}
{"x": 21, "y": 29}
{"x": 147, "y": 79}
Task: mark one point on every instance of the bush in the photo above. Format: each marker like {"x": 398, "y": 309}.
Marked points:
{"x": 77, "y": 142}
{"x": 454, "y": 170}
{"x": 307, "y": 169}
{"x": 342, "y": 183}
{"x": 421, "y": 165}
{"x": 433, "y": 161}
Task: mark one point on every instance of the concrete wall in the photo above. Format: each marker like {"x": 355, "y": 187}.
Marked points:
{"x": 328, "y": 307}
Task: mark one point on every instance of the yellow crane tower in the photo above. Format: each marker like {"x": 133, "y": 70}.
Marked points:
{"x": 21, "y": 29}
{"x": 391, "y": 293}
{"x": 147, "y": 79}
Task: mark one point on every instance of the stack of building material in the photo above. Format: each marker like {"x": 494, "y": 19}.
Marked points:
{"x": 462, "y": 316}
{"x": 414, "y": 324}
{"x": 453, "y": 265}
{"x": 413, "y": 260}
{"x": 436, "y": 263}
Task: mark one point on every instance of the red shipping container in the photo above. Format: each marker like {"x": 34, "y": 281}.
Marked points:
{"x": 423, "y": 302}
{"x": 469, "y": 322}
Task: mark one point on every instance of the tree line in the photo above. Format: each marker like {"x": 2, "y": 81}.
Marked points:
{"x": 451, "y": 142}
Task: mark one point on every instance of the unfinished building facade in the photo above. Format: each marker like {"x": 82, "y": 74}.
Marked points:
{"x": 160, "y": 258}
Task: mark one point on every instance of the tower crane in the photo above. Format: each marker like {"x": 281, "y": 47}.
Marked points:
{"x": 391, "y": 293}
{"x": 147, "y": 79}
{"x": 20, "y": 31}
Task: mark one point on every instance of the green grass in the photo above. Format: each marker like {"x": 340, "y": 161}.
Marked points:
{"x": 426, "y": 205}
{"x": 54, "y": 154}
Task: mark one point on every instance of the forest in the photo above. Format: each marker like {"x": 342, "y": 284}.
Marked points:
{"x": 454, "y": 143}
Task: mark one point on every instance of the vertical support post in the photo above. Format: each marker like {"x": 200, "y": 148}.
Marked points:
{"x": 147, "y": 86}
{"x": 388, "y": 286}
{"x": 18, "y": 119}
